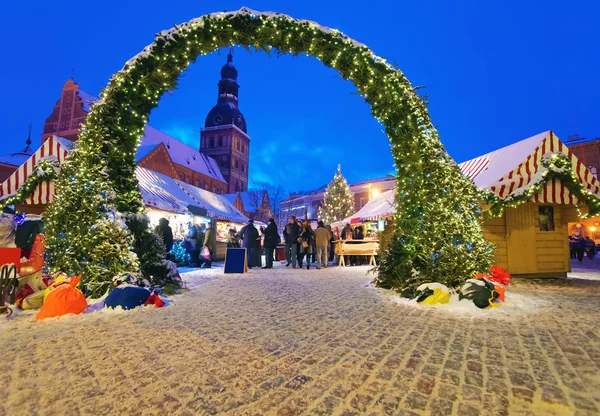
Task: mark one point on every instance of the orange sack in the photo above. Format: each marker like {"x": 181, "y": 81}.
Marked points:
{"x": 63, "y": 300}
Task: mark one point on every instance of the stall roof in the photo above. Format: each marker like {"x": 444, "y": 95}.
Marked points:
{"x": 217, "y": 205}
{"x": 55, "y": 148}
{"x": 381, "y": 206}
{"x": 511, "y": 170}
{"x": 160, "y": 191}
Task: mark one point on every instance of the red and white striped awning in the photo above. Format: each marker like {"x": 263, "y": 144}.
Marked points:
{"x": 56, "y": 148}
{"x": 510, "y": 171}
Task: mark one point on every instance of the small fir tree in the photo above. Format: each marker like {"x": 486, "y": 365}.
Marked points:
{"x": 151, "y": 252}
{"x": 338, "y": 202}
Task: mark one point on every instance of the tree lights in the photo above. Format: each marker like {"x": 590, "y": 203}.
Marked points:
{"x": 338, "y": 202}
{"x": 437, "y": 234}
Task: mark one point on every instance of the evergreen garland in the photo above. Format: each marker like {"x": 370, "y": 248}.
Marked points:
{"x": 437, "y": 235}
{"x": 338, "y": 202}
{"x": 46, "y": 170}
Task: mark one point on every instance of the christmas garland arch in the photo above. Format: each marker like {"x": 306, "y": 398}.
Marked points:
{"x": 437, "y": 230}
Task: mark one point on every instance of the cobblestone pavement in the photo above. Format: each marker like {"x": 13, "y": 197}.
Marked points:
{"x": 318, "y": 342}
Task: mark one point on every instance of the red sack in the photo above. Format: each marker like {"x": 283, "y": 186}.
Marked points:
{"x": 155, "y": 300}
{"x": 499, "y": 275}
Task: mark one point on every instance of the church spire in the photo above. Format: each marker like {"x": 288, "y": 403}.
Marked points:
{"x": 28, "y": 143}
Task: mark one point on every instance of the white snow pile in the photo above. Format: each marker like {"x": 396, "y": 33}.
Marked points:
{"x": 516, "y": 304}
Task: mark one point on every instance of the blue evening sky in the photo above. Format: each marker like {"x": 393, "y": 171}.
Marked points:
{"x": 496, "y": 72}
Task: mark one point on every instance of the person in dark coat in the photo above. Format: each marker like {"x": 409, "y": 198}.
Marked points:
{"x": 249, "y": 235}
{"x": 580, "y": 247}
{"x": 307, "y": 237}
{"x": 165, "y": 232}
{"x": 358, "y": 234}
{"x": 331, "y": 243}
{"x": 271, "y": 241}
{"x": 210, "y": 242}
{"x": 291, "y": 233}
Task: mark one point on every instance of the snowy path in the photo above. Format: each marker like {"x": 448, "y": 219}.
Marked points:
{"x": 292, "y": 342}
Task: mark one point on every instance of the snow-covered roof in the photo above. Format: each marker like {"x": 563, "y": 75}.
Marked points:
{"x": 160, "y": 191}
{"x": 87, "y": 99}
{"x": 510, "y": 171}
{"x": 485, "y": 170}
{"x": 217, "y": 205}
{"x": 182, "y": 154}
{"x": 378, "y": 207}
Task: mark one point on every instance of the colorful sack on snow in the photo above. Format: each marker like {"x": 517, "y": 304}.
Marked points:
{"x": 480, "y": 291}
{"x": 63, "y": 300}
{"x": 432, "y": 293}
{"x": 127, "y": 297}
{"x": 499, "y": 275}
{"x": 155, "y": 300}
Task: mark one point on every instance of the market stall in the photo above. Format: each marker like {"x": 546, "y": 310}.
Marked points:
{"x": 373, "y": 216}
{"x": 165, "y": 199}
{"x": 226, "y": 216}
{"x": 55, "y": 150}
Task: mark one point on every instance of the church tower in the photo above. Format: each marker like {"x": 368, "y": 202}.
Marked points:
{"x": 224, "y": 136}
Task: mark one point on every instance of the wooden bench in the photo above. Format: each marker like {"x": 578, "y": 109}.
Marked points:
{"x": 357, "y": 248}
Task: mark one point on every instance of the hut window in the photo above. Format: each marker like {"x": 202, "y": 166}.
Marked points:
{"x": 546, "y": 218}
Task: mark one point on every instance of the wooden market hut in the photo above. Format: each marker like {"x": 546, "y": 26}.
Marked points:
{"x": 533, "y": 207}
{"x": 535, "y": 204}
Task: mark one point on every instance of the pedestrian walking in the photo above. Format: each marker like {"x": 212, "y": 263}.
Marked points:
{"x": 271, "y": 241}
{"x": 322, "y": 241}
{"x": 210, "y": 242}
{"x": 306, "y": 244}
{"x": 291, "y": 233}
{"x": 249, "y": 235}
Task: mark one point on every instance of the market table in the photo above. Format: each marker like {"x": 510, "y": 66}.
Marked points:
{"x": 357, "y": 248}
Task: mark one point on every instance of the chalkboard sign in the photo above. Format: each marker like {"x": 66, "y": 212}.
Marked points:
{"x": 236, "y": 260}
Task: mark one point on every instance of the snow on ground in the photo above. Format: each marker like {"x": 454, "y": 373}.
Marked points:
{"x": 284, "y": 341}
{"x": 587, "y": 270}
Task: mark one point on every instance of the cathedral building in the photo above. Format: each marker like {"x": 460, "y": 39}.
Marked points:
{"x": 225, "y": 136}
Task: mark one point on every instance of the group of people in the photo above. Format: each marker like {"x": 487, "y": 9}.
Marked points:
{"x": 579, "y": 245}
{"x": 304, "y": 243}
{"x": 200, "y": 242}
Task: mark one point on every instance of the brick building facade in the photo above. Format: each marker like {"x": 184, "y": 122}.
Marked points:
{"x": 586, "y": 150}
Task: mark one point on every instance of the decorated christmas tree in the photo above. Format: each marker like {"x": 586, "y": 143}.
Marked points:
{"x": 338, "y": 202}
